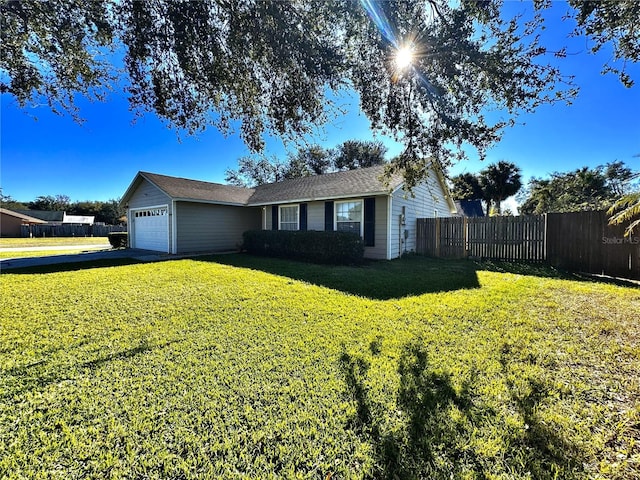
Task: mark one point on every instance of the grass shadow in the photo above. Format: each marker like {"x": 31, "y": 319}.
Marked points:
{"x": 430, "y": 434}
{"x": 547, "y": 271}
{"x": 38, "y": 375}
{"x": 428, "y": 445}
{"x": 549, "y": 455}
{"x": 375, "y": 279}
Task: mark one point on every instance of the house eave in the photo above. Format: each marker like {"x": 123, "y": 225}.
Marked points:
{"x": 319, "y": 198}
{"x": 210, "y": 202}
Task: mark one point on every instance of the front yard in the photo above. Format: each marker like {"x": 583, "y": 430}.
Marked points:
{"x": 241, "y": 367}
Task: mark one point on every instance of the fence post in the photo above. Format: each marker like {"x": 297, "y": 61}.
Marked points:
{"x": 437, "y": 229}
{"x": 545, "y": 239}
{"x": 465, "y": 237}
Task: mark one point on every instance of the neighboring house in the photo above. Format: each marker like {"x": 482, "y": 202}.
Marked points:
{"x": 178, "y": 215}
{"x": 77, "y": 219}
{"x": 469, "y": 208}
{"x": 50, "y": 217}
{"x": 11, "y": 222}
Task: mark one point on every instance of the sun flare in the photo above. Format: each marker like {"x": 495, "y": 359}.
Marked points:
{"x": 404, "y": 57}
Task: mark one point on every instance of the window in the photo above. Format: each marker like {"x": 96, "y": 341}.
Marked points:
{"x": 349, "y": 216}
{"x": 155, "y": 212}
{"x": 289, "y": 217}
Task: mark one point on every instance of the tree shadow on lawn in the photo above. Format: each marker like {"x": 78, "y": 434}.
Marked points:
{"x": 411, "y": 275}
{"x": 37, "y": 375}
{"x": 547, "y": 271}
{"x": 439, "y": 422}
{"x": 375, "y": 279}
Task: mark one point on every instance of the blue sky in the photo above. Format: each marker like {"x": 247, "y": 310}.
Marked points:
{"x": 97, "y": 160}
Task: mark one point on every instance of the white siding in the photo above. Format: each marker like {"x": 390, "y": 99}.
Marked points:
{"x": 213, "y": 228}
{"x": 428, "y": 201}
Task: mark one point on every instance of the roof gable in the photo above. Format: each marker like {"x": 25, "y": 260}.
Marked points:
{"x": 192, "y": 190}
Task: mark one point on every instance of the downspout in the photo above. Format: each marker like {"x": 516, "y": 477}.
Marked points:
{"x": 174, "y": 228}
{"x": 129, "y": 228}
{"x": 399, "y": 238}
{"x": 389, "y": 220}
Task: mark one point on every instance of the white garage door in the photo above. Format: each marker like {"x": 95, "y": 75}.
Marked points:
{"x": 151, "y": 228}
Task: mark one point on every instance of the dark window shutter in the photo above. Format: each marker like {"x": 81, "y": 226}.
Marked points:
{"x": 303, "y": 216}
{"x": 274, "y": 217}
{"x": 328, "y": 216}
{"x": 369, "y": 222}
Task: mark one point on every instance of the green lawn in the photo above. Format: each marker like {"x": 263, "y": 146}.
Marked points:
{"x": 240, "y": 367}
{"x": 52, "y": 241}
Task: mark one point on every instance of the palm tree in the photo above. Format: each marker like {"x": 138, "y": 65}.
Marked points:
{"x": 466, "y": 186}
{"x": 626, "y": 209}
{"x": 500, "y": 181}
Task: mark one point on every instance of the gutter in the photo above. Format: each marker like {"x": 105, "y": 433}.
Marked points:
{"x": 318, "y": 199}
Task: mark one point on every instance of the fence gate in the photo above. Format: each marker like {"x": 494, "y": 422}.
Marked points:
{"x": 507, "y": 238}
{"x": 498, "y": 238}
{"x": 441, "y": 237}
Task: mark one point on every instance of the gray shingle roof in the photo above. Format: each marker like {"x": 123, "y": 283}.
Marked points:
{"x": 351, "y": 183}
{"x": 21, "y": 216}
{"x": 44, "y": 215}
{"x": 183, "y": 188}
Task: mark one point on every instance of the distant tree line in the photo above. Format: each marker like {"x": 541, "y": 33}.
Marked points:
{"x": 579, "y": 190}
{"x": 108, "y": 212}
{"x": 256, "y": 170}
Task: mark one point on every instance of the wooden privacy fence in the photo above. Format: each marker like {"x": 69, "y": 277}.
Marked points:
{"x": 585, "y": 242}
{"x": 581, "y": 241}
{"x": 500, "y": 238}
{"x": 507, "y": 238}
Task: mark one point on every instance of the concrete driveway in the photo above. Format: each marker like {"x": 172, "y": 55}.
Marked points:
{"x": 110, "y": 254}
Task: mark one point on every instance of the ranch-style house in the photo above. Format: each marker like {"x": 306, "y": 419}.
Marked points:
{"x": 178, "y": 215}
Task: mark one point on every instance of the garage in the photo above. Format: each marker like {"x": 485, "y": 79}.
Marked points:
{"x": 151, "y": 228}
{"x": 179, "y": 215}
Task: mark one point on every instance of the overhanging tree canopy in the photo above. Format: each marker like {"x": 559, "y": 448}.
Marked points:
{"x": 267, "y": 66}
